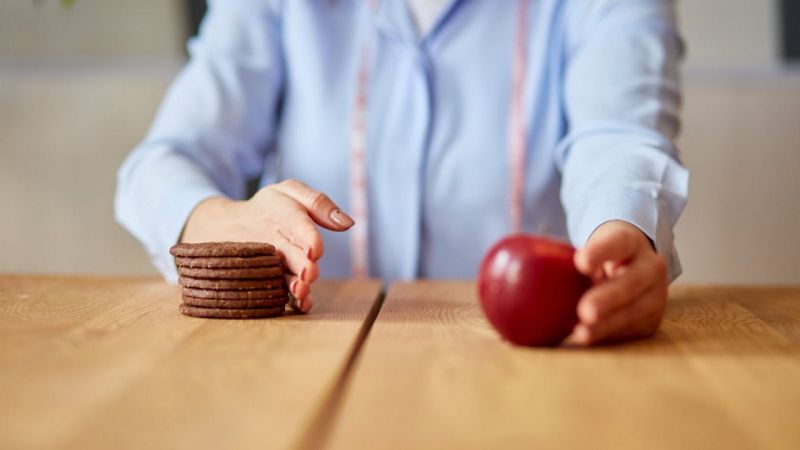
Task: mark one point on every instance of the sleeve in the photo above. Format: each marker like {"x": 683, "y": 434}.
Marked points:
{"x": 622, "y": 99}
{"x": 212, "y": 130}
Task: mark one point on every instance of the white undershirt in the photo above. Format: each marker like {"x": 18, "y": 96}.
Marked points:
{"x": 425, "y": 13}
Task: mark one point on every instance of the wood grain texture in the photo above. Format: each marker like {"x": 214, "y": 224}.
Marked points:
{"x": 110, "y": 363}
{"x": 724, "y": 372}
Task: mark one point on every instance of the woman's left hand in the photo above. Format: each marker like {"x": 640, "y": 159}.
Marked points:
{"x": 629, "y": 295}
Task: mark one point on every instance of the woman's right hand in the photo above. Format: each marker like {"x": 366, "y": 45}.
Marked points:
{"x": 282, "y": 214}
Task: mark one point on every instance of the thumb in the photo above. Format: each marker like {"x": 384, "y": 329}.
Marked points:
{"x": 319, "y": 206}
{"x": 609, "y": 242}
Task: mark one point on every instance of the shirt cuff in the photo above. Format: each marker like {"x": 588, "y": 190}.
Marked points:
{"x": 638, "y": 209}
{"x": 176, "y": 210}
{"x": 157, "y": 191}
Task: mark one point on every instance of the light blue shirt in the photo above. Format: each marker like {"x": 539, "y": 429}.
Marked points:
{"x": 268, "y": 94}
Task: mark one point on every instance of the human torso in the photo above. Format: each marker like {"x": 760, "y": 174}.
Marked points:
{"x": 437, "y": 128}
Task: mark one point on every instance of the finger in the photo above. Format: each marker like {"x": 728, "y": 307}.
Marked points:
{"x": 628, "y": 284}
{"x": 302, "y": 306}
{"x": 637, "y": 319}
{"x": 296, "y": 226}
{"x": 294, "y": 303}
{"x": 580, "y": 335}
{"x": 609, "y": 243}
{"x": 297, "y": 288}
{"x": 301, "y": 231}
{"x": 599, "y": 276}
{"x": 295, "y": 259}
{"x": 610, "y": 268}
{"x": 318, "y": 205}
{"x": 307, "y": 304}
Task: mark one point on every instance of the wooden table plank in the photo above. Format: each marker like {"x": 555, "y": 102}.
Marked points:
{"x": 110, "y": 363}
{"x": 777, "y": 306}
{"x": 751, "y": 365}
{"x": 433, "y": 374}
{"x": 68, "y": 345}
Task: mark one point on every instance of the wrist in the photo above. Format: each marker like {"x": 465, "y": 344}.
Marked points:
{"x": 208, "y": 215}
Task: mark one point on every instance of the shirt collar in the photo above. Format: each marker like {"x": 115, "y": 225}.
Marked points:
{"x": 393, "y": 18}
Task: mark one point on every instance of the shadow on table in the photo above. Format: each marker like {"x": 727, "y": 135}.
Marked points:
{"x": 697, "y": 324}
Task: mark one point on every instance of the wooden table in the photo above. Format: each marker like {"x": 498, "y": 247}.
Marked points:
{"x": 109, "y": 363}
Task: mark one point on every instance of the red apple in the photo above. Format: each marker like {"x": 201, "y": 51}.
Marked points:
{"x": 529, "y": 289}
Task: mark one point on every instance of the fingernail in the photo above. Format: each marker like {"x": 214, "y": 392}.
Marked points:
{"x": 308, "y": 253}
{"x": 303, "y": 274}
{"x": 307, "y": 304}
{"x": 341, "y": 219}
{"x": 293, "y": 286}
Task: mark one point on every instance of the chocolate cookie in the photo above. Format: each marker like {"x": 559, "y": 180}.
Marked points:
{"x": 235, "y": 304}
{"x": 262, "y": 283}
{"x": 255, "y": 294}
{"x": 229, "y": 262}
{"x": 220, "y": 313}
{"x": 221, "y": 249}
{"x": 234, "y": 274}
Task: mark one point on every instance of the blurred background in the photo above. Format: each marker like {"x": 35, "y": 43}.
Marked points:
{"x": 79, "y": 87}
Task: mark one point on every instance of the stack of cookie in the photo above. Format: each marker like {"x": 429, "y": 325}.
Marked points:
{"x": 230, "y": 280}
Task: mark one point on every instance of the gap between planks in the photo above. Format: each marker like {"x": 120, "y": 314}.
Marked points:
{"x": 317, "y": 432}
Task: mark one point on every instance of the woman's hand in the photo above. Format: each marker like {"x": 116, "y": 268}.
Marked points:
{"x": 283, "y": 214}
{"x": 630, "y": 291}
